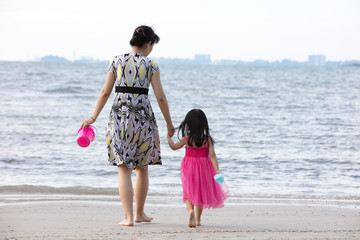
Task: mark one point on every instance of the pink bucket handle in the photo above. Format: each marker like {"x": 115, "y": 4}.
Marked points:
{"x": 94, "y": 128}
{"x": 88, "y": 127}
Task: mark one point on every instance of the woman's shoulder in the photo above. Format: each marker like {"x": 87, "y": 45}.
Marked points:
{"x": 115, "y": 59}
{"x": 122, "y": 56}
{"x": 147, "y": 60}
{"x": 138, "y": 56}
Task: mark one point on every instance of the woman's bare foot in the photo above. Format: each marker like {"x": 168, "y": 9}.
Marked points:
{"x": 198, "y": 223}
{"x": 143, "y": 218}
{"x": 126, "y": 223}
{"x": 192, "y": 222}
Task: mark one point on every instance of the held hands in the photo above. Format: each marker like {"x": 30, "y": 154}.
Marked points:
{"x": 88, "y": 122}
{"x": 171, "y": 130}
{"x": 169, "y": 140}
{"x": 172, "y": 145}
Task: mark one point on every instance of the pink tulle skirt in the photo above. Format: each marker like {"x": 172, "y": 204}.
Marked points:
{"x": 199, "y": 186}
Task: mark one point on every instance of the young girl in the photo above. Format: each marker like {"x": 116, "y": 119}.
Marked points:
{"x": 198, "y": 167}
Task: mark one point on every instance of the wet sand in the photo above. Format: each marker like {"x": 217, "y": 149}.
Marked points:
{"x": 98, "y": 220}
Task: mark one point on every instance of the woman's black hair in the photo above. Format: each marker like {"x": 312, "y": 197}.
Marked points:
{"x": 196, "y": 127}
{"x": 142, "y": 35}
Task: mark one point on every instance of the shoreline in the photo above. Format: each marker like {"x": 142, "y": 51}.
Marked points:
{"x": 176, "y": 200}
{"x": 80, "y": 190}
{"x": 98, "y": 220}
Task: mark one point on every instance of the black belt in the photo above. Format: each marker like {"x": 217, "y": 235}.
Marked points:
{"x": 136, "y": 90}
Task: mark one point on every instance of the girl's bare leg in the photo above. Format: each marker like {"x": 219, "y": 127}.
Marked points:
{"x": 141, "y": 190}
{"x": 198, "y": 216}
{"x": 190, "y": 209}
{"x": 126, "y": 194}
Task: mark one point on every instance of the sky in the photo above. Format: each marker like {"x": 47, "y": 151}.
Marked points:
{"x": 226, "y": 29}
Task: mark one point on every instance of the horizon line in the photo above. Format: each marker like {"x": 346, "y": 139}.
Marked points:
{"x": 194, "y": 59}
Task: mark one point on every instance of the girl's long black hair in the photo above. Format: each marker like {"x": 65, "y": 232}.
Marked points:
{"x": 196, "y": 127}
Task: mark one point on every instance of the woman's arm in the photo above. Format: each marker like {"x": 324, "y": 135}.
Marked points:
{"x": 162, "y": 101}
{"x": 213, "y": 157}
{"x": 175, "y": 146}
{"x": 102, "y": 99}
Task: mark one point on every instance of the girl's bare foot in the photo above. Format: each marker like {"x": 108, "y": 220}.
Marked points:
{"x": 143, "y": 218}
{"x": 198, "y": 223}
{"x": 192, "y": 222}
{"x": 126, "y": 223}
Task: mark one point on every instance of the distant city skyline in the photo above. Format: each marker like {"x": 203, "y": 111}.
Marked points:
{"x": 194, "y": 57}
{"x": 231, "y": 29}
{"x": 313, "y": 60}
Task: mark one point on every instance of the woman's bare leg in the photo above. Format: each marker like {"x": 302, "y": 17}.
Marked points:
{"x": 141, "y": 190}
{"x": 198, "y": 216}
{"x": 126, "y": 193}
{"x": 190, "y": 209}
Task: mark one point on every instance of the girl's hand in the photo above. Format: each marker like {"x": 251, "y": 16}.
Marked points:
{"x": 87, "y": 122}
{"x": 169, "y": 140}
{"x": 218, "y": 172}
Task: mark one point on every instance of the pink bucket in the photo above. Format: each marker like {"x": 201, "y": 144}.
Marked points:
{"x": 85, "y": 136}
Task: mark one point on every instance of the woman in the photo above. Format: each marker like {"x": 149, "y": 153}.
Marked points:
{"x": 132, "y": 134}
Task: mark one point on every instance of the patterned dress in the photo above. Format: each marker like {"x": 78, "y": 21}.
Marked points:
{"x": 132, "y": 134}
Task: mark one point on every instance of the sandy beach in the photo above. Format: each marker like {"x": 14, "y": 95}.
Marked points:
{"x": 98, "y": 220}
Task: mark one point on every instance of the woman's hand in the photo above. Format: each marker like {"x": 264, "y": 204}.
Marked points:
{"x": 88, "y": 122}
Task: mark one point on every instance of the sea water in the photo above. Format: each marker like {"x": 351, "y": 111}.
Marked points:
{"x": 280, "y": 131}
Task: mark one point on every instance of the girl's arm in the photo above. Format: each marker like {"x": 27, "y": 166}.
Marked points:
{"x": 213, "y": 157}
{"x": 175, "y": 146}
{"x": 162, "y": 101}
{"x": 102, "y": 99}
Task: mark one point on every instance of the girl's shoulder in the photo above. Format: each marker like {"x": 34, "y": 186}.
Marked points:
{"x": 186, "y": 139}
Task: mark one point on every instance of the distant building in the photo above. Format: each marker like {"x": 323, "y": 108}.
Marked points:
{"x": 52, "y": 58}
{"x": 202, "y": 58}
{"x": 317, "y": 60}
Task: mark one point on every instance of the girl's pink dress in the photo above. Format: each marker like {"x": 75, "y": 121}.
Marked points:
{"x": 197, "y": 176}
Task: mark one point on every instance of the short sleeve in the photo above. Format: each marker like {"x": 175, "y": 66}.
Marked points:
{"x": 154, "y": 67}
{"x": 112, "y": 67}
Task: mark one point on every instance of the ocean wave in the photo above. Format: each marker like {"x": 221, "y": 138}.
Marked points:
{"x": 68, "y": 90}
{"x": 77, "y": 190}
{"x": 12, "y": 161}
{"x": 85, "y": 190}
